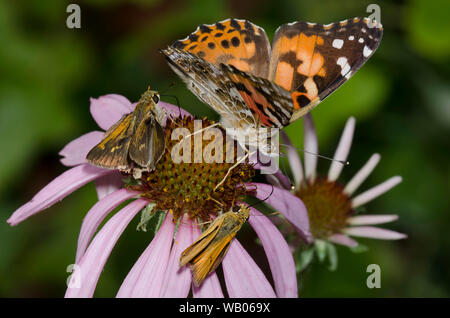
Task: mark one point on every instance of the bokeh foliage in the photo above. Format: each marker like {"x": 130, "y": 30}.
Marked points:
{"x": 400, "y": 99}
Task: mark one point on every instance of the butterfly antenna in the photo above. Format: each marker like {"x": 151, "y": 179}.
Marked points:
{"x": 344, "y": 162}
{"x": 261, "y": 201}
{"x": 178, "y": 101}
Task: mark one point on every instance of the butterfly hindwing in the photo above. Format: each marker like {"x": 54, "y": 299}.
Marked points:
{"x": 312, "y": 60}
{"x": 270, "y": 104}
{"x": 233, "y": 41}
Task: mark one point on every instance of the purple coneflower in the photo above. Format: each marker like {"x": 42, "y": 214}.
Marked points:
{"x": 331, "y": 206}
{"x": 183, "y": 191}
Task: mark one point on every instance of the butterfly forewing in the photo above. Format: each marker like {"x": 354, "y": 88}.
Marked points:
{"x": 112, "y": 151}
{"x": 312, "y": 60}
{"x": 211, "y": 86}
{"x": 235, "y": 42}
{"x": 201, "y": 243}
{"x": 208, "y": 251}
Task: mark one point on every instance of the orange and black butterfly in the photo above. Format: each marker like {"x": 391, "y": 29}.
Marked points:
{"x": 208, "y": 251}
{"x": 136, "y": 142}
{"x": 231, "y": 66}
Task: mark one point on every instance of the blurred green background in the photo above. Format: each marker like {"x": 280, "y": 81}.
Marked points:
{"x": 400, "y": 98}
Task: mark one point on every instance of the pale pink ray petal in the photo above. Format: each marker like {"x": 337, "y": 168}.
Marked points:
{"x": 287, "y": 204}
{"x": 120, "y": 99}
{"x": 311, "y": 147}
{"x": 280, "y": 258}
{"x": 277, "y": 178}
{"x": 108, "y": 109}
{"x": 283, "y": 180}
{"x": 243, "y": 278}
{"x": 374, "y": 232}
{"x": 108, "y": 184}
{"x": 97, "y": 214}
{"x": 145, "y": 279}
{"x": 271, "y": 179}
{"x": 376, "y": 191}
{"x": 89, "y": 268}
{"x": 294, "y": 160}
{"x": 362, "y": 174}
{"x": 342, "y": 240}
{"x": 74, "y": 153}
{"x": 210, "y": 287}
{"x": 372, "y": 219}
{"x": 57, "y": 190}
{"x": 177, "y": 281}
{"x": 342, "y": 150}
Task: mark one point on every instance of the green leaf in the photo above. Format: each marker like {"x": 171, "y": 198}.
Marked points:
{"x": 304, "y": 259}
{"x": 360, "y": 248}
{"x": 161, "y": 215}
{"x": 332, "y": 256}
{"x": 321, "y": 249}
{"x": 146, "y": 216}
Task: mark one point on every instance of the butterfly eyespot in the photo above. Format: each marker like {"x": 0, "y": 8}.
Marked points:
{"x": 155, "y": 98}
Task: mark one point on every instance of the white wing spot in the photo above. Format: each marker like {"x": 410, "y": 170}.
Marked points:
{"x": 367, "y": 51}
{"x": 351, "y": 37}
{"x": 342, "y": 62}
{"x": 361, "y": 40}
{"x": 337, "y": 43}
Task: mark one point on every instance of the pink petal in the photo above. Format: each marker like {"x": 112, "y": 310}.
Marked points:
{"x": 311, "y": 147}
{"x": 294, "y": 160}
{"x": 278, "y": 254}
{"x": 91, "y": 264}
{"x": 108, "y": 109}
{"x": 342, "y": 150}
{"x": 177, "y": 281}
{"x": 374, "y": 232}
{"x": 57, "y": 190}
{"x": 284, "y": 181}
{"x": 372, "y": 219}
{"x": 210, "y": 288}
{"x": 287, "y": 204}
{"x": 108, "y": 184}
{"x": 75, "y": 152}
{"x": 342, "y": 240}
{"x": 362, "y": 174}
{"x": 244, "y": 279}
{"x": 146, "y": 277}
{"x": 375, "y": 192}
{"x": 96, "y": 215}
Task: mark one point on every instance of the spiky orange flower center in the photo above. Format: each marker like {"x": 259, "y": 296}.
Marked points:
{"x": 328, "y": 207}
{"x": 189, "y": 188}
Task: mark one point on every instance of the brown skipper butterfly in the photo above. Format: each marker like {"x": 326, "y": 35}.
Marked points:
{"x": 136, "y": 142}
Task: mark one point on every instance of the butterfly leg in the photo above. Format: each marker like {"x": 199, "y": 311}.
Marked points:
{"x": 234, "y": 166}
